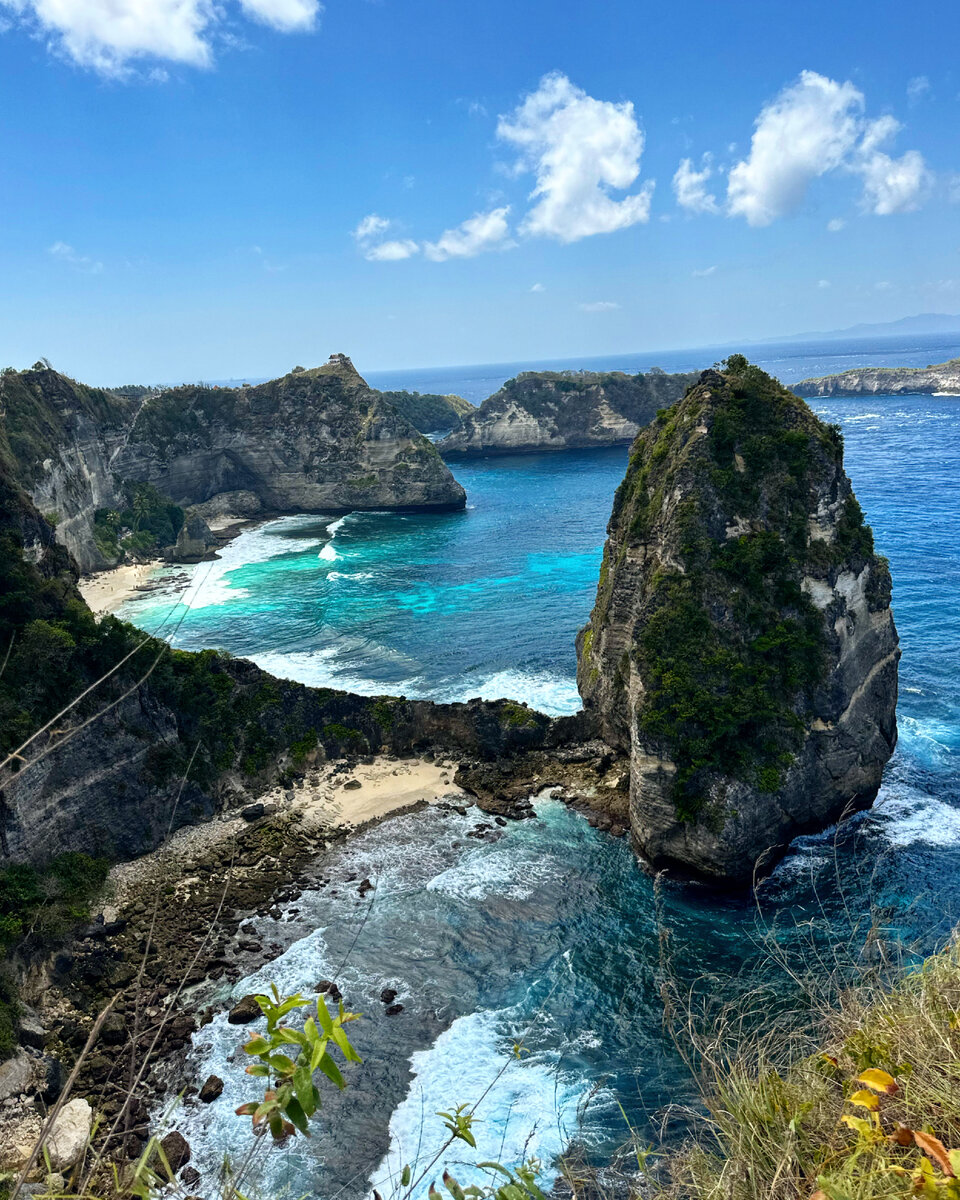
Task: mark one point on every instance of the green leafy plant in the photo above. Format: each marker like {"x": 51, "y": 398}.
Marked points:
{"x": 293, "y": 1099}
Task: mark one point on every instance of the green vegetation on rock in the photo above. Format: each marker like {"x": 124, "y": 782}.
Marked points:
{"x": 427, "y": 411}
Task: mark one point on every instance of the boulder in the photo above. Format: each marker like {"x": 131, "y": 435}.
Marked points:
{"x": 176, "y": 1148}
{"x": 16, "y": 1075}
{"x": 70, "y": 1134}
{"x": 212, "y": 1089}
{"x": 244, "y": 1011}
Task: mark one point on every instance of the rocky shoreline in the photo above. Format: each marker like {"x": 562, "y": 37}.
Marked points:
{"x": 173, "y": 930}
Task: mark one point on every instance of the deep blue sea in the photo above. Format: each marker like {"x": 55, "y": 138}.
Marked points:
{"x": 553, "y": 933}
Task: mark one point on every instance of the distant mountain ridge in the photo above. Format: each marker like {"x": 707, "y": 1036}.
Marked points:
{"x": 919, "y": 324}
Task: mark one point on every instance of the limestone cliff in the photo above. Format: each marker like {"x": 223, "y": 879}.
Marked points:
{"x": 942, "y": 379}
{"x": 428, "y": 411}
{"x": 316, "y": 440}
{"x": 58, "y": 437}
{"x": 742, "y": 649}
{"x": 568, "y": 410}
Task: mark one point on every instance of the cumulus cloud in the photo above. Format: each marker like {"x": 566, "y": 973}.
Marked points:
{"x": 80, "y": 262}
{"x": 809, "y": 129}
{"x": 890, "y": 185}
{"x": 483, "y": 231}
{"x": 814, "y": 126}
{"x": 597, "y": 306}
{"x": 579, "y": 148}
{"x": 110, "y": 35}
{"x": 690, "y": 186}
{"x": 370, "y": 236}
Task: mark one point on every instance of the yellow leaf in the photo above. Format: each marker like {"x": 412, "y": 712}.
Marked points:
{"x": 879, "y": 1081}
{"x": 933, "y": 1148}
{"x": 864, "y": 1128}
{"x": 865, "y": 1099}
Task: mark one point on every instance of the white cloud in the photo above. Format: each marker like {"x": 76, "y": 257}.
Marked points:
{"x": 917, "y": 88}
{"x": 823, "y": 283}
{"x": 482, "y": 231}
{"x": 953, "y": 189}
{"x": 814, "y": 126}
{"x": 369, "y": 236}
{"x": 538, "y": 287}
{"x": 704, "y": 273}
{"x": 370, "y": 227}
{"x": 80, "y": 262}
{"x": 579, "y": 149}
{"x": 883, "y": 285}
{"x": 890, "y": 185}
{"x": 690, "y": 186}
{"x": 597, "y": 306}
{"x": 809, "y": 129}
{"x": 836, "y": 224}
{"x": 288, "y": 16}
{"x": 109, "y": 35}
{"x": 393, "y": 251}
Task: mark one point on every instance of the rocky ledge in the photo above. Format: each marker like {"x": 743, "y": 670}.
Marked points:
{"x": 563, "y": 410}
{"x": 742, "y": 649}
{"x": 941, "y": 379}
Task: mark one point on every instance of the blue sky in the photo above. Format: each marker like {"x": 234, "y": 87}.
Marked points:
{"x": 200, "y": 191}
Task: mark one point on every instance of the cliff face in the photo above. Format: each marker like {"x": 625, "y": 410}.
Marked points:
{"x": 314, "y": 441}
{"x": 59, "y": 438}
{"x": 742, "y": 649}
{"x": 943, "y": 378}
{"x": 548, "y": 410}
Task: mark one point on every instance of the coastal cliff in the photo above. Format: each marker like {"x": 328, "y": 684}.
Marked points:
{"x": 116, "y": 472}
{"x": 941, "y": 379}
{"x": 315, "y": 440}
{"x": 742, "y": 649}
{"x": 566, "y": 410}
{"x": 58, "y": 438}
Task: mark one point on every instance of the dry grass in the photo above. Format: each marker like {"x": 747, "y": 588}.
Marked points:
{"x": 792, "y": 1115}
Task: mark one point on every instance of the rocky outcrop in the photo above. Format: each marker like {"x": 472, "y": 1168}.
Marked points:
{"x": 942, "y": 379}
{"x": 568, "y": 410}
{"x": 742, "y": 650}
{"x": 59, "y": 438}
{"x": 316, "y": 440}
{"x": 428, "y": 411}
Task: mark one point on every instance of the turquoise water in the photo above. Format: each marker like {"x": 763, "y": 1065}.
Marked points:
{"x": 552, "y": 932}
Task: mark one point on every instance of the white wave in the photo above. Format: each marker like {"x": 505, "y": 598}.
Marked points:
{"x": 527, "y": 1111}
{"x": 328, "y": 554}
{"x": 485, "y": 872}
{"x": 908, "y": 816}
{"x": 322, "y": 668}
{"x": 929, "y": 740}
{"x": 555, "y": 695}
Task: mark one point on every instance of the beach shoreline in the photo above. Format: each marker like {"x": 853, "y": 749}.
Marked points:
{"x": 107, "y": 590}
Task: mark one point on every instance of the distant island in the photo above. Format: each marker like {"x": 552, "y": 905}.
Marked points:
{"x": 940, "y": 379}
{"x": 919, "y": 324}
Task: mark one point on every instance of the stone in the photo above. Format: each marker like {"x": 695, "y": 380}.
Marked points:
{"x": 70, "y": 1134}
{"x": 32, "y": 1032}
{"x": 16, "y": 1075}
{"x": 741, "y": 585}
{"x": 244, "y": 1011}
{"x": 351, "y": 785}
{"x": 393, "y": 1009}
{"x": 176, "y": 1148}
{"x": 388, "y": 995}
{"x": 329, "y": 988}
{"x": 253, "y": 812}
{"x": 190, "y": 1177}
{"x": 212, "y": 1089}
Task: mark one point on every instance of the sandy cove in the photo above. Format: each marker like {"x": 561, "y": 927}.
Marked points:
{"x": 328, "y": 800}
{"x": 107, "y": 590}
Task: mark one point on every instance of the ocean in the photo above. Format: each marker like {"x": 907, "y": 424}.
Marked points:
{"x": 553, "y": 935}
